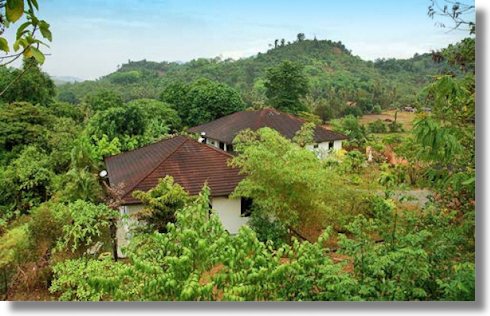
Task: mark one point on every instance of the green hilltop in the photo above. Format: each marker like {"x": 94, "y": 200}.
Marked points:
{"x": 339, "y": 82}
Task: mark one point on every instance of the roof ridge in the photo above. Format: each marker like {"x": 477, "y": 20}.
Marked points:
{"x": 157, "y": 165}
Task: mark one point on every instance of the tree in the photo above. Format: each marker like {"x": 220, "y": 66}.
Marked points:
{"x": 103, "y": 100}
{"x": 161, "y": 203}
{"x": 350, "y": 126}
{"x": 202, "y": 101}
{"x": 28, "y": 84}
{"x": 285, "y": 85}
{"x": 127, "y": 123}
{"x": 22, "y": 123}
{"x": 27, "y": 181}
{"x": 288, "y": 182}
{"x": 301, "y": 37}
{"x": 88, "y": 224}
{"x": 161, "y": 117}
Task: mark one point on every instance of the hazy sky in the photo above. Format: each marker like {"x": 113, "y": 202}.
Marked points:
{"x": 92, "y": 37}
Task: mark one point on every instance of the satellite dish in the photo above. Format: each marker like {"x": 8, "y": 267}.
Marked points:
{"x": 203, "y": 134}
{"x": 103, "y": 173}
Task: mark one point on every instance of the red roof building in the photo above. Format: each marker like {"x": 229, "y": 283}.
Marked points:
{"x": 189, "y": 162}
{"x": 222, "y": 131}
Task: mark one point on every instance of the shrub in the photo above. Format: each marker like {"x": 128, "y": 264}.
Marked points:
{"x": 377, "y": 109}
{"x": 268, "y": 229}
{"x": 377, "y": 126}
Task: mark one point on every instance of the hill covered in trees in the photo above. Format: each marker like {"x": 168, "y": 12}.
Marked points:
{"x": 339, "y": 83}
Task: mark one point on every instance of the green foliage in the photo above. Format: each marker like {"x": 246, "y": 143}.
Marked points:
{"x": 103, "y": 100}
{"x": 285, "y": 180}
{"x": 285, "y": 85}
{"x": 23, "y": 123}
{"x": 377, "y": 109}
{"x": 88, "y": 224}
{"x": 377, "y": 126}
{"x": 161, "y": 117}
{"x": 118, "y": 122}
{"x": 197, "y": 260}
{"x": 33, "y": 86}
{"x": 70, "y": 278}
{"x": 78, "y": 184}
{"x": 127, "y": 77}
{"x": 405, "y": 255}
{"x": 13, "y": 245}
{"x": 26, "y": 38}
{"x": 267, "y": 229}
{"x": 305, "y": 136}
{"x": 354, "y": 161}
{"x": 161, "y": 203}
{"x": 26, "y": 181}
{"x": 350, "y": 126}
{"x": 45, "y": 227}
{"x": 335, "y": 78}
{"x": 202, "y": 101}
{"x": 438, "y": 142}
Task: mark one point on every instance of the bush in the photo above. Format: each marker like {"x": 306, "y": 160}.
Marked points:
{"x": 377, "y": 126}
{"x": 377, "y": 109}
{"x": 268, "y": 229}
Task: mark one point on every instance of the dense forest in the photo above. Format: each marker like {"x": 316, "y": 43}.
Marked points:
{"x": 395, "y": 224}
{"x": 336, "y": 78}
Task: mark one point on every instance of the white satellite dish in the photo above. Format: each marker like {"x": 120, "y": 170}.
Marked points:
{"x": 103, "y": 173}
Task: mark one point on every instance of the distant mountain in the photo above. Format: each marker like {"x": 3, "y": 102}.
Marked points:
{"x": 339, "y": 81}
{"x": 59, "y": 80}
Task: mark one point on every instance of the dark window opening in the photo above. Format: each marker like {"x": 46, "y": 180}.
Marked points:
{"x": 246, "y": 207}
{"x": 229, "y": 148}
{"x": 221, "y": 145}
{"x": 330, "y": 145}
{"x": 315, "y": 146}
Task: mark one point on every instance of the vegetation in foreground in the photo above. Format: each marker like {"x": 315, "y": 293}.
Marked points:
{"x": 368, "y": 241}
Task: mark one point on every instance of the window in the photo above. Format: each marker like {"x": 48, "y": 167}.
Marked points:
{"x": 315, "y": 146}
{"x": 221, "y": 145}
{"x": 330, "y": 145}
{"x": 229, "y": 148}
{"x": 246, "y": 207}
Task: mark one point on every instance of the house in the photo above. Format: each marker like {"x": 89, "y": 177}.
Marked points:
{"x": 191, "y": 164}
{"x": 221, "y": 132}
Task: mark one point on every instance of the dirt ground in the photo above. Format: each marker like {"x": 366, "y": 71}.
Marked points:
{"x": 404, "y": 118}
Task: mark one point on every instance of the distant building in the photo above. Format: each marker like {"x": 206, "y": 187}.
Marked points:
{"x": 221, "y": 132}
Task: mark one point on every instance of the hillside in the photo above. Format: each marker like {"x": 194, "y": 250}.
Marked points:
{"x": 338, "y": 80}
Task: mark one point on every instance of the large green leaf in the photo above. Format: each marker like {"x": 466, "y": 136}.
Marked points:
{"x": 4, "y": 46}
{"x": 36, "y": 53}
{"x": 44, "y": 28}
{"x": 14, "y": 10}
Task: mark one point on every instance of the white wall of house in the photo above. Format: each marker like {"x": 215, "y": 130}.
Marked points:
{"x": 215, "y": 143}
{"x": 229, "y": 211}
{"x": 124, "y": 225}
{"x": 322, "y": 149}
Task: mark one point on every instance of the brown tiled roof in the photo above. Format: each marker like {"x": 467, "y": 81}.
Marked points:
{"x": 227, "y": 127}
{"x": 189, "y": 162}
